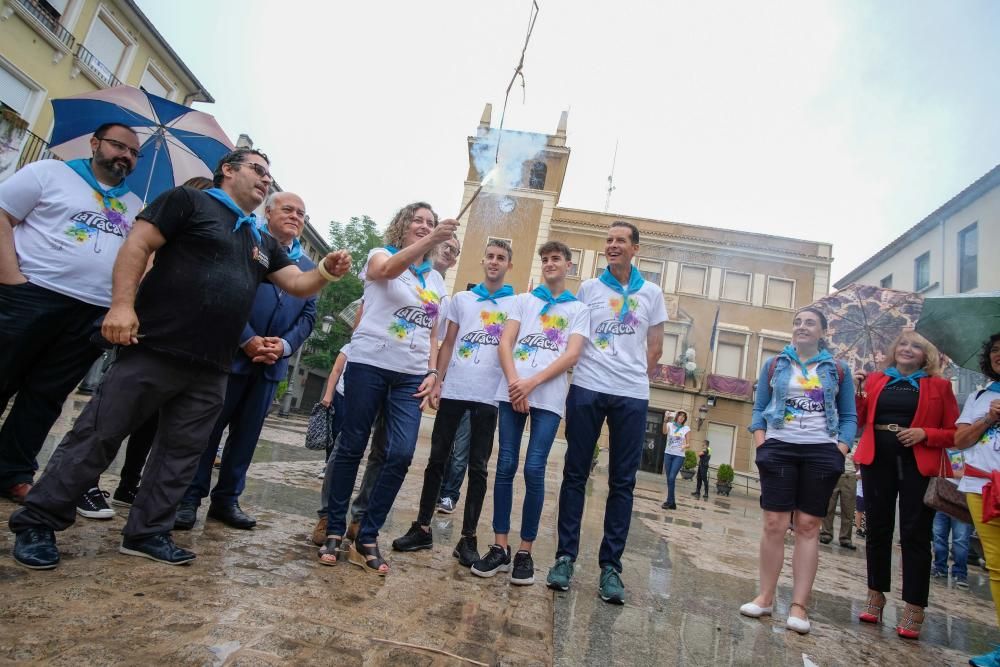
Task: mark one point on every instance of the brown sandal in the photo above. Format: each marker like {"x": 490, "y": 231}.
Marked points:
{"x": 328, "y": 552}
{"x": 368, "y": 558}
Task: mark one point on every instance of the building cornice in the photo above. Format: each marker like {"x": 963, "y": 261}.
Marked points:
{"x": 966, "y": 197}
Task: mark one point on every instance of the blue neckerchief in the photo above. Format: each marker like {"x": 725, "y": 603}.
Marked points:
{"x": 86, "y": 172}
{"x": 789, "y": 351}
{"x": 635, "y": 282}
{"x": 241, "y": 217}
{"x": 419, "y": 270}
{"x": 485, "y": 295}
{"x": 545, "y": 294}
{"x": 993, "y": 386}
{"x": 294, "y": 253}
{"x": 912, "y": 378}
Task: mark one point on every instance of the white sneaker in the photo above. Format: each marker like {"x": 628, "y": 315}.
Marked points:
{"x": 755, "y": 611}
{"x": 799, "y": 625}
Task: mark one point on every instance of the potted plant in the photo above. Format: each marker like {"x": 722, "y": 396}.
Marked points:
{"x": 690, "y": 463}
{"x": 724, "y": 479}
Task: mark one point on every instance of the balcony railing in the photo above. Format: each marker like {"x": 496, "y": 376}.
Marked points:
{"x": 34, "y": 149}
{"x": 97, "y": 71}
{"x": 44, "y": 19}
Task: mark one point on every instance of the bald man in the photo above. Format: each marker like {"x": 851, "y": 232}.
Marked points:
{"x": 279, "y": 324}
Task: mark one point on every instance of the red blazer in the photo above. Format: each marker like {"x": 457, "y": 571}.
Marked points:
{"x": 937, "y": 411}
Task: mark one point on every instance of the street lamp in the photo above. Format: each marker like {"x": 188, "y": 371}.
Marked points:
{"x": 326, "y": 324}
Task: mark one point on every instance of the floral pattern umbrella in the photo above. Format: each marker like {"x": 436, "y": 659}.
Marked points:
{"x": 864, "y": 320}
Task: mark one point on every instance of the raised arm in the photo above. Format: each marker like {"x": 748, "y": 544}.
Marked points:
{"x": 306, "y": 283}
{"x": 121, "y": 326}
{"x": 387, "y": 267}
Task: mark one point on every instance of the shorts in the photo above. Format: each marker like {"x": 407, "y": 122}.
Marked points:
{"x": 859, "y": 503}
{"x": 798, "y": 477}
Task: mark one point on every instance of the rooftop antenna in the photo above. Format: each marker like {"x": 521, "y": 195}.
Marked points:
{"x": 611, "y": 179}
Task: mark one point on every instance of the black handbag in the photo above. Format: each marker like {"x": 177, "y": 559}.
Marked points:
{"x": 319, "y": 434}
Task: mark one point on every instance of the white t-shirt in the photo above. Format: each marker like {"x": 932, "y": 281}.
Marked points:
{"x": 474, "y": 368}
{"x": 395, "y": 330}
{"x": 541, "y": 339}
{"x": 66, "y": 241}
{"x": 346, "y": 351}
{"x": 985, "y": 454}
{"x": 675, "y": 439}
{"x": 443, "y": 317}
{"x": 613, "y": 360}
{"x": 805, "y": 414}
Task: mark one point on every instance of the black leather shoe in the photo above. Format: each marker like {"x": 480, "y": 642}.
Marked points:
{"x": 416, "y": 538}
{"x": 160, "y": 548}
{"x": 36, "y": 548}
{"x": 825, "y": 539}
{"x": 467, "y": 551}
{"x": 845, "y": 544}
{"x": 186, "y": 516}
{"x": 232, "y": 516}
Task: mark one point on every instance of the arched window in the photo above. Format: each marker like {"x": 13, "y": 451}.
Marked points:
{"x": 536, "y": 180}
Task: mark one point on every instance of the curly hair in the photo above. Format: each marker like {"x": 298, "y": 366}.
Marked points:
{"x": 984, "y": 358}
{"x": 395, "y": 231}
{"x": 932, "y": 358}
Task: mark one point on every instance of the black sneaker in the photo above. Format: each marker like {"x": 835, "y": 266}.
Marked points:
{"x": 466, "y": 551}
{"x": 497, "y": 559}
{"x": 416, "y": 538}
{"x": 92, "y": 505}
{"x": 523, "y": 572}
{"x": 124, "y": 497}
{"x": 160, "y": 548}
{"x": 35, "y": 548}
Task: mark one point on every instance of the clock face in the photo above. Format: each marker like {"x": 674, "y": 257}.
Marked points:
{"x": 506, "y": 204}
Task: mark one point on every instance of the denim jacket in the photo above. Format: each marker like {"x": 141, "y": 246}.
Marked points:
{"x": 838, "y": 402}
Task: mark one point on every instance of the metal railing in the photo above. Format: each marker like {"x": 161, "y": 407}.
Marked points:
{"x": 96, "y": 67}
{"x": 34, "y": 149}
{"x": 50, "y": 22}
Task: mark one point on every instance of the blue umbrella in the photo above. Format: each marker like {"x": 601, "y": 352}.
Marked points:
{"x": 177, "y": 142}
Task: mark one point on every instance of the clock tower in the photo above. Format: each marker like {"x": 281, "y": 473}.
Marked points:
{"x": 517, "y": 208}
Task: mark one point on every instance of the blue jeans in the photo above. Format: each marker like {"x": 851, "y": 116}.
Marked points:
{"x": 586, "y": 412}
{"x": 454, "y": 472}
{"x": 672, "y": 465}
{"x": 366, "y": 389}
{"x": 960, "y": 532}
{"x": 544, "y": 425}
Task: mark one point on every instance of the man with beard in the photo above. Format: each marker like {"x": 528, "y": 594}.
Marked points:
{"x": 178, "y": 332}
{"x": 61, "y": 225}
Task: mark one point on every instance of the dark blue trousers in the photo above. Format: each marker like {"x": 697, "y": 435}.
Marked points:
{"x": 248, "y": 398}
{"x": 586, "y": 412}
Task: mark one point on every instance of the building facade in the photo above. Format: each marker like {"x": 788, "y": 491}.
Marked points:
{"x": 743, "y": 286}
{"x": 57, "y": 48}
{"x": 940, "y": 255}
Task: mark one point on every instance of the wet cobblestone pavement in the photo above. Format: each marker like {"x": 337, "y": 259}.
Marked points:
{"x": 260, "y": 598}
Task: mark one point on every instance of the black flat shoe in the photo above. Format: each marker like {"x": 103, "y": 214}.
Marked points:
{"x": 35, "y": 548}
{"x": 848, "y": 545}
{"x": 186, "y": 516}
{"x": 160, "y": 548}
{"x": 231, "y": 515}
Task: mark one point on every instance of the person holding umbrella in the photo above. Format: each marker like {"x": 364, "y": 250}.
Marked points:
{"x": 61, "y": 225}
{"x": 978, "y": 436}
{"x": 908, "y": 412}
{"x": 803, "y": 425}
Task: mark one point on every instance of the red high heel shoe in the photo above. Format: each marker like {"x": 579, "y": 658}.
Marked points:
{"x": 909, "y": 625}
{"x": 873, "y": 608}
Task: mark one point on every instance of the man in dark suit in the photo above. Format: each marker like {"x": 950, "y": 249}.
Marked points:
{"x": 279, "y": 324}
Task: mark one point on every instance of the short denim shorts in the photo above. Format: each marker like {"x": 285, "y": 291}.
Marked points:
{"x": 798, "y": 477}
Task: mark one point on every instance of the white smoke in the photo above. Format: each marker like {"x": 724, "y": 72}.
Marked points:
{"x": 517, "y": 149}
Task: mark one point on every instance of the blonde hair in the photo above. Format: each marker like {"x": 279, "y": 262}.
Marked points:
{"x": 395, "y": 232}
{"x": 932, "y": 358}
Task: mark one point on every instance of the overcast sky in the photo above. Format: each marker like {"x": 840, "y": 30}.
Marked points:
{"x": 845, "y": 122}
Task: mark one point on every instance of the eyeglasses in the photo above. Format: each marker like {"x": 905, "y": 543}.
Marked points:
{"x": 121, "y": 148}
{"x": 451, "y": 250}
{"x": 257, "y": 169}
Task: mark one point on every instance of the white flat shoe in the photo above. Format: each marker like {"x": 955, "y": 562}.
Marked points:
{"x": 799, "y": 625}
{"x": 755, "y": 611}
